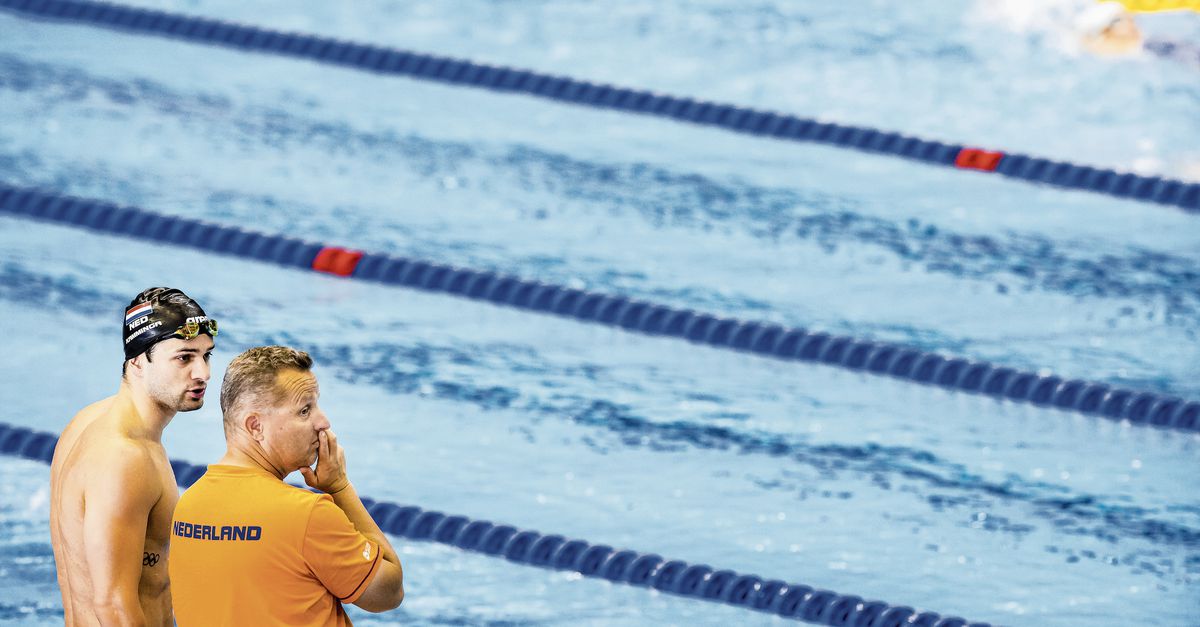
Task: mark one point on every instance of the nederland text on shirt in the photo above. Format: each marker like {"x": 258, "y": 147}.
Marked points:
{"x": 212, "y": 532}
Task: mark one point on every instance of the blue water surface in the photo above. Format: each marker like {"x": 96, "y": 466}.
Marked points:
{"x": 1001, "y": 513}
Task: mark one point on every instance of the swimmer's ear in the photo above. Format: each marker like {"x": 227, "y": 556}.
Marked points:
{"x": 137, "y": 364}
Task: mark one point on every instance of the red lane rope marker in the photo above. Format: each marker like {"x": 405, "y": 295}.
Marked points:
{"x": 978, "y": 159}
{"x": 336, "y": 260}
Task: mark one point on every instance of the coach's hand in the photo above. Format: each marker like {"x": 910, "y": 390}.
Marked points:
{"x": 330, "y": 473}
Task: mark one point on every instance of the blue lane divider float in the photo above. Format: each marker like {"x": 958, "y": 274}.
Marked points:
{"x": 795, "y": 344}
{"x": 513, "y": 80}
{"x": 646, "y": 570}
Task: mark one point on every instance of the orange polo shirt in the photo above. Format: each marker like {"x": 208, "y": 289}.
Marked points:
{"x": 249, "y": 549}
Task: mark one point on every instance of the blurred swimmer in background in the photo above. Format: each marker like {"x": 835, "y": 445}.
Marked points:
{"x": 1109, "y": 28}
{"x": 1107, "y": 31}
{"x": 1106, "y": 28}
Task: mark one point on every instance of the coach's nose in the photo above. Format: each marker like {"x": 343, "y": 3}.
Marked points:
{"x": 320, "y": 420}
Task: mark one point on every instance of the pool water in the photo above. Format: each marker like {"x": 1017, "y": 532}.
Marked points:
{"x": 865, "y": 485}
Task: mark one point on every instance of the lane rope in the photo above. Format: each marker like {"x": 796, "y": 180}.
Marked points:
{"x": 763, "y": 123}
{"x": 601, "y": 561}
{"x": 792, "y": 344}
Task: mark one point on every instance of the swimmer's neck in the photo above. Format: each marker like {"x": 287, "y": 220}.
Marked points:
{"x": 139, "y": 416}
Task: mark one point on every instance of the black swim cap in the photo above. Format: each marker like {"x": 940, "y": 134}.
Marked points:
{"x": 155, "y": 315}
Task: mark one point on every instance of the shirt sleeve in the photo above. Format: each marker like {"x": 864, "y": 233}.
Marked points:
{"x": 343, "y": 559}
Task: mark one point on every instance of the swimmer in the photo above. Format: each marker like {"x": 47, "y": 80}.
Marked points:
{"x": 1108, "y": 29}
{"x": 112, "y": 490}
{"x": 249, "y": 549}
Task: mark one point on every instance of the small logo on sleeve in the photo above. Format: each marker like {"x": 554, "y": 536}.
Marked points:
{"x": 367, "y": 551}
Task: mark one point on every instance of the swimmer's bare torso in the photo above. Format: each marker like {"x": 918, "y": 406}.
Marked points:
{"x": 112, "y": 494}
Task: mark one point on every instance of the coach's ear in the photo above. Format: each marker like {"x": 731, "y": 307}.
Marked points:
{"x": 254, "y": 426}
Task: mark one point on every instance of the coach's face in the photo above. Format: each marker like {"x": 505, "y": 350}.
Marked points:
{"x": 291, "y": 423}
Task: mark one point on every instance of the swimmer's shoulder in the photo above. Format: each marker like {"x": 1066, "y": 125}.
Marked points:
{"x": 109, "y": 467}
{"x": 69, "y": 439}
{"x": 114, "y": 464}
{"x": 90, "y": 438}
{"x": 86, "y": 416}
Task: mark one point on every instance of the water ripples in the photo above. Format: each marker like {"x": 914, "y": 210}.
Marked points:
{"x": 538, "y": 389}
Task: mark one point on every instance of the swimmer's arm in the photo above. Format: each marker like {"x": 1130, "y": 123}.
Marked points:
{"x": 386, "y": 590}
{"x": 118, "y": 501}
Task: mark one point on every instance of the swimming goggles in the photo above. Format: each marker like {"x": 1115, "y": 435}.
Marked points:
{"x": 190, "y": 329}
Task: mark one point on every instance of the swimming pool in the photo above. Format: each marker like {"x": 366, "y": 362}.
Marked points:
{"x": 913, "y": 495}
